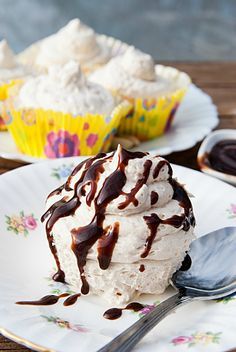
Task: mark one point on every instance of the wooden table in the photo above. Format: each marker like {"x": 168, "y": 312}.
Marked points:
{"x": 215, "y": 78}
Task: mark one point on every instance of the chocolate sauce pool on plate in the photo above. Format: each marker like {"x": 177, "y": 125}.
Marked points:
{"x": 44, "y": 301}
{"x": 52, "y": 299}
{"x": 71, "y": 300}
{"x": 115, "y": 313}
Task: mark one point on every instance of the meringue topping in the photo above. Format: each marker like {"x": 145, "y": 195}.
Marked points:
{"x": 139, "y": 64}
{"x": 65, "y": 89}
{"x": 109, "y": 195}
{"x": 75, "y": 41}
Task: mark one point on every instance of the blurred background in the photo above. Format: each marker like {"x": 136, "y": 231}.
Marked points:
{"x": 168, "y": 29}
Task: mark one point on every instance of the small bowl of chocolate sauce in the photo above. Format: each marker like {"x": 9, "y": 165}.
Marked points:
{"x": 217, "y": 155}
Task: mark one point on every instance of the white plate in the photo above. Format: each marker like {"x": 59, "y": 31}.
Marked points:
{"x": 26, "y": 266}
{"x": 195, "y": 118}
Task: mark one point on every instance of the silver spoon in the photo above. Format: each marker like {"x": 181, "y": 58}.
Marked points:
{"x": 212, "y": 275}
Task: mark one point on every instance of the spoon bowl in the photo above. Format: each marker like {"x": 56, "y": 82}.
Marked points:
{"x": 212, "y": 273}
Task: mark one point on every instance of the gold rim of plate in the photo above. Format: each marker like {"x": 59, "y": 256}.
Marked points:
{"x": 27, "y": 343}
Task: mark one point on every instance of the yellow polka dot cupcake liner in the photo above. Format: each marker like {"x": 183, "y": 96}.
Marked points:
{"x": 4, "y": 90}
{"x": 152, "y": 117}
{"x": 49, "y": 134}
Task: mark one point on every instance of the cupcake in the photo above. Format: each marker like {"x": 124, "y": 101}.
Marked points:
{"x": 155, "y": 91}
{"x": 10, "y": 72}
{"x": 75, "y": 41}
{"x": 61, "y": 114}
{"x": 120, "y": 226}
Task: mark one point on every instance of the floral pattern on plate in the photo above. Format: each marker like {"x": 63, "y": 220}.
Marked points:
{"x": 232, "y": 211}
{"x": 21, "y": 224}
{"x": 197, "y": 338}
{"x": 57, "y": 288}
{"x": 65, "y": 324}
{"x": 147, "y": 309}
{"x": 226, "y": 300}
{"x": 62, "y": 171}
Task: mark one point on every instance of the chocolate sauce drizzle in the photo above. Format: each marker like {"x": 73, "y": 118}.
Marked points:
{"x": 186, "y": 264}
{"x": 106, "y": 245}
{"x": 142, "y": 268}
{"x": 71, "y": 300}
{"x": 186, "y": 220}
{"x": 115, "y": 313}
{"x": 154, "y": 197}
{"x": 44, "y": 301}
{"x": 182, "y": 197}
{"x": 52, "y": 299}
{"x": 85, "y": 237}
{"x": 63, "y": 208}
{"x": 56, "y": 191}
{"x": 159, "y": 166}
{"x": 130, "y": 197}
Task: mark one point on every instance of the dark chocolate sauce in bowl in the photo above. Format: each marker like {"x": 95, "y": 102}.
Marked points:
{"x": 222, "y": 157}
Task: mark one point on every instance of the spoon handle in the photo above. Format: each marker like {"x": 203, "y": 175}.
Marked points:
{"x": 131, "y": 336}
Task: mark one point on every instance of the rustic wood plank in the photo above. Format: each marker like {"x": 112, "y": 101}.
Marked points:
{"x": 218, "y": 80}
{"x": 208, "y": 72}
{"x": 8, "y": 345}
{"x": 224, "y": 98}
{"x": 227, "y": 122}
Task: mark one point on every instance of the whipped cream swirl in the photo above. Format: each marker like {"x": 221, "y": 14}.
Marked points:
{"x": 119, "y": 209}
